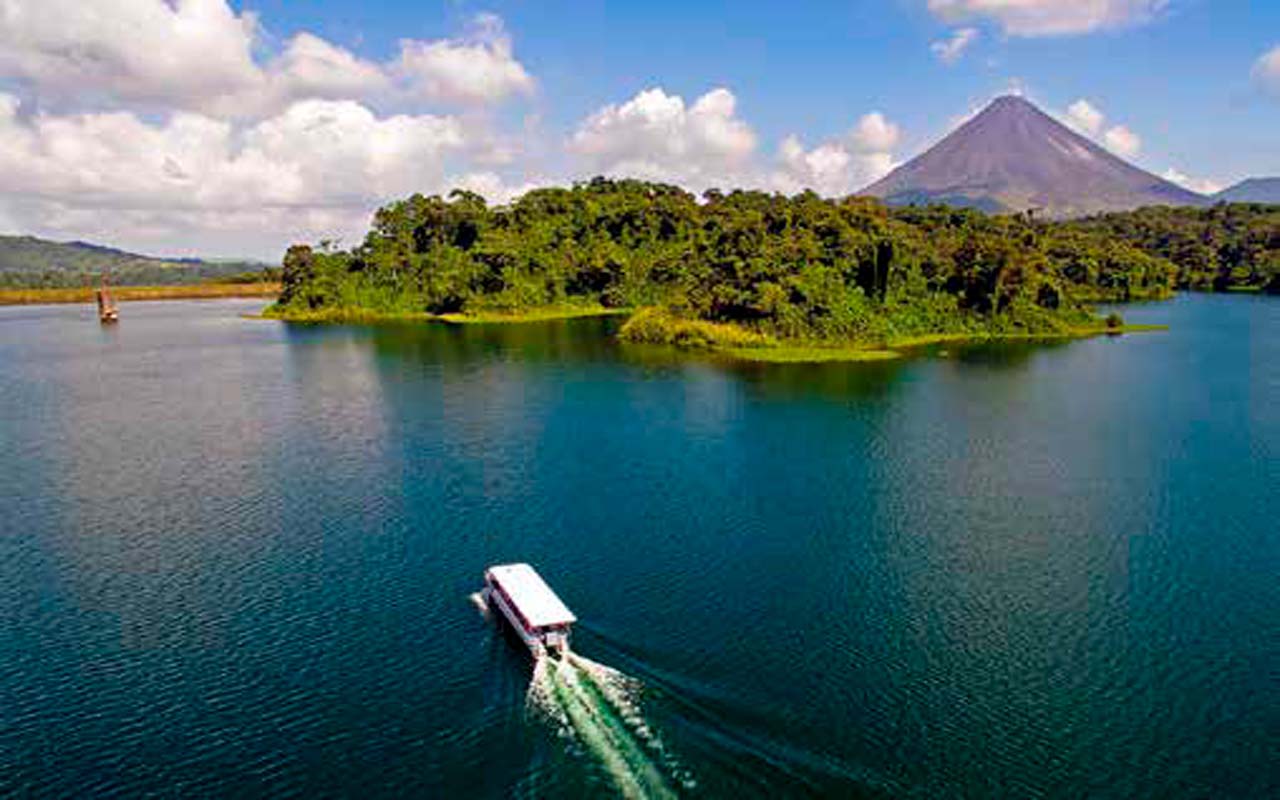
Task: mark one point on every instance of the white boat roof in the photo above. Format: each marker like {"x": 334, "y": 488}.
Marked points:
{"x": 531, "y": 594}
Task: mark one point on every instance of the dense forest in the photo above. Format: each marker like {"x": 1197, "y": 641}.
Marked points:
{"x": 1220, "y": 248}
{"x": 799, "y": 267}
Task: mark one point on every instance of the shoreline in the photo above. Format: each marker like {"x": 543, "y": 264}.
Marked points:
{"x": 737, "y": 344}
{"x": 657, "y": 326}
{"x": 818, "y": 353}
{"x": 86, "y": 294}
{"x": 367, "y": 317}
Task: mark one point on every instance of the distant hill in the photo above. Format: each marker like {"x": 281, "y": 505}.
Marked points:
{"x": 28, "y": 261}
{"x": 1013, "y": 157}
{"x": 1254, "y": 190}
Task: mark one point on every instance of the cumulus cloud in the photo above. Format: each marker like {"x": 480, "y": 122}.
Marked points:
{"x": 1049, "y": 17}
{"x": 1201, "y": 185}
{"x": 1085, "y": 118}
{"x": 478, "y": 68}
{"x": 874, "y": 133}
{"x": 950, "y": 50}
{"x": 842, "y": 166}
{"x": 1088, "y": 119}
{"x": 495, "y": 189}
{"x": 182, "y": 124}
{"x": 180, "y": 54}
{"x": 1122, "y": 141}
{"x": 116, "y": 174}
{"x": 311, "y": 67}
{"x": 657, "y": 136}
{"x": 1266, "y": 71}
{"x": 198, "y": 55}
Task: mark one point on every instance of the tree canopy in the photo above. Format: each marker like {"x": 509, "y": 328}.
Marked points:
{"x": 794, "y": 267}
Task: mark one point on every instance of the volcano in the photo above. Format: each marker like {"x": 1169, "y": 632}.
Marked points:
{"x": 1014, "y": 157}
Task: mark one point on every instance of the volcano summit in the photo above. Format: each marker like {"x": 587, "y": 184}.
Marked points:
{"x": 1012, "y": 157}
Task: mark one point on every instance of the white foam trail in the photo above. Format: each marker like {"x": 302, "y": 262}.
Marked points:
{"x": 477, "y": 599}
{"x": 596, "y": 707}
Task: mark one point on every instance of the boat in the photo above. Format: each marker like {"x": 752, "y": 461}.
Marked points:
{"x": 107, "y": 311}
{"x": 536, "y": 614}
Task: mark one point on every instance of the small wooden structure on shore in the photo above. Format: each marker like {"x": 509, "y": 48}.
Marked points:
{"x": 107, "y": 311}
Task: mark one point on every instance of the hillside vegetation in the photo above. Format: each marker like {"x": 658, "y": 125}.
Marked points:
{"x": 28, "y": 262}
{"x": 1226, "y": 247}
{"x": 794, "y": 268}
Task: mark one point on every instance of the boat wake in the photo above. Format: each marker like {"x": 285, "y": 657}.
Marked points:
{"x": 595, "y": 707}
{"x": 477, "y": 600}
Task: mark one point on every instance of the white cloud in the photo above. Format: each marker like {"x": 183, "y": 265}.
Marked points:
{"x": 179, "y": 54}
{"x": 1089, "y": 120}
{"x": 874, "y": 133}
{"x": 198, "y": 55}
{"x": 830, "y": 169}
{"x": 478, "y": 68}
{"x": 180, "y": 124}
{"x": 1085, "y": 118}
{"x": 311, "y": 67}
{"x": 1122, "y": 141}
{"x": 950, "y": 50}
{"x": 1049, "y": 17}
{"x": 1266, "y": 71}
{"x": 657, "y": 136}
{"x": 494, "y": 188}
{"x": 840, "y": 167}
{"x": 1201, "y": 185}
{"x": 197, "y": 179}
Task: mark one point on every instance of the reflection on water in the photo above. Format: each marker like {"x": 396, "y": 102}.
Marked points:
{"x": 237, "y": 554}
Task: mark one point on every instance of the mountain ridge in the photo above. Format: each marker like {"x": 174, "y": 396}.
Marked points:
{"x": 1252, "y": 190}
{"x": 31, "y": 261}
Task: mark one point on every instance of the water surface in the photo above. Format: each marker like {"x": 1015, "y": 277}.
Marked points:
{"x": 237, "y": 554}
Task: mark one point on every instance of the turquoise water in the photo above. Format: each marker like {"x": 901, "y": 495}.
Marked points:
{"x": 237, "y": 557}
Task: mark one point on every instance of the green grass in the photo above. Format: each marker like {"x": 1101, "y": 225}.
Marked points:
{"x": 360, "y": 316}
{"x": 1072, "y": 332}
{"x": 662, "y": 327}
{"x": 655, "y": 325}
{"x": 806, "y": 354}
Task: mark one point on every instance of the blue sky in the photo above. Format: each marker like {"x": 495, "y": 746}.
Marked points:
{"x": 228, "y": 128}
{"x": 1182, "y": 80}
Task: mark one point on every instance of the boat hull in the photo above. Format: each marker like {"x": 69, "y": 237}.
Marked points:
{"x": 540, "y": 643}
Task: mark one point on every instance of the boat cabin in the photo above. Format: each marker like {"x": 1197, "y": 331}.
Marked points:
{"x": 539, "y": 617}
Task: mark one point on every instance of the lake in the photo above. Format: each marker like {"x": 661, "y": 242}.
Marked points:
{"x": 238, "y": 558}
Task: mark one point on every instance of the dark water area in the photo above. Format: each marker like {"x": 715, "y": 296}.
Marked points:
{"x": 236, "y": 559}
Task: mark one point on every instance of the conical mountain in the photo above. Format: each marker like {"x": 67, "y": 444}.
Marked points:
{"x": 1013, "y": 157}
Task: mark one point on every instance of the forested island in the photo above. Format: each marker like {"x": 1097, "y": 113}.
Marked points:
{"x": 754, "y": 271}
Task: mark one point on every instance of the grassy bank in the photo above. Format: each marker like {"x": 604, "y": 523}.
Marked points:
{"x": 808, "y": 354}
{"x": 359, "y": 316}
{"x": 1072, "y": 332}
{"x": 199, "y": 291}
{"x": 659, "y": 326}
{"x": 663, "y": 327}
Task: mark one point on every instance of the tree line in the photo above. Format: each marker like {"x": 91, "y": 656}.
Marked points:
{"x": 795, "y": 267}
{"x": 1228, "y": 246}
